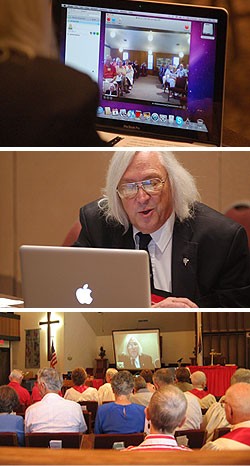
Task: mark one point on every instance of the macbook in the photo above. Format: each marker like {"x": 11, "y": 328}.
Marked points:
{"x": 54, "y": 276}
{"x": 159, "y": 67}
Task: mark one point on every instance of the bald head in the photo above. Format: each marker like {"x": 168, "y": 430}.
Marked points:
{"x": 198, "y": 379}
{"x": 166, "y": 410}
{"x": 237, "y": 403}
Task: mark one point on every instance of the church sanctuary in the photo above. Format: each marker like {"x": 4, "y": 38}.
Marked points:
{"x": 217, "y": 344}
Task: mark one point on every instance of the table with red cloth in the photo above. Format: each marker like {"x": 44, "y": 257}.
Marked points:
{"x": 218, "y": 377}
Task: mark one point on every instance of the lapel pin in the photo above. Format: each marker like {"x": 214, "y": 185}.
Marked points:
{"x": 185, "y": 261}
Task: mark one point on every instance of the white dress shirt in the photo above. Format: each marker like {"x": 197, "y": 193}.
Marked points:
{"x": 105, "y": 393}
{"x": 90, "y": 394}
{"x": 160, "y": 250}
{"x": 54, "y": 414}
{"x": 193, "y": 414}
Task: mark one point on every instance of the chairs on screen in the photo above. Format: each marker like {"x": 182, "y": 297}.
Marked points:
{"x": 196, "y": 437}
{"x": 42, "y": 439}
{"x": 8, "y": 439}
{"x": 107, "y": 441}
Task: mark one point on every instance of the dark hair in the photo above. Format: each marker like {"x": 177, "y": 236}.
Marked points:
{"x": 79, "y": 375}
{"x": 9, "y": 400}
{"x": 163, "y": 377}
{"x": 182, "y": 374}
{"x": 147, "y": 374}
{"x": 139, "y": 382}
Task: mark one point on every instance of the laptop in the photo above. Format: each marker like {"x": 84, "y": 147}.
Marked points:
{"x": 54, "y": 276}
{"x": 169, "y": 60}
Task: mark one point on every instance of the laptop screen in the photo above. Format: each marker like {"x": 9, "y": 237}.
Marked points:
{"x": 159, "y": 66}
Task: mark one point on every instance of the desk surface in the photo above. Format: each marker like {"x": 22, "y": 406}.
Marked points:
{"x": 218, "y": 377}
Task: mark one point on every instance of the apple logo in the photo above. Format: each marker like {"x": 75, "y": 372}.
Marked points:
{"x": 83, "y": 295}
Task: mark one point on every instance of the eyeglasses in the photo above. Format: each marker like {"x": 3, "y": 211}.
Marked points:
{"x": 130, "y": 190}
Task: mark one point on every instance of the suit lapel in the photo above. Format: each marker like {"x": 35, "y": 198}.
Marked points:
{"x": 123, "y": 241}
{"x": 184, "y": 261}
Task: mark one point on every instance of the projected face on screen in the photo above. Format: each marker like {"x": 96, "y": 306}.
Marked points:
{"x": 134, "y": 348}
{"x": 138, "y": 350}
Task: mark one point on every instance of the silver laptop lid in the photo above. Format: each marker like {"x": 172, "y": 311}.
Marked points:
{"x": 54, "y": 276}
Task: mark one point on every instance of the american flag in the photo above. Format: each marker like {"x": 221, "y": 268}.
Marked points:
{"x": 53, "y": 358}
{"x": 199, "y": 350}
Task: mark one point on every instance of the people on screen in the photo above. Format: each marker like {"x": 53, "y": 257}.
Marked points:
{"x": 198, "y": 256}
{"x": 43, "y": 102}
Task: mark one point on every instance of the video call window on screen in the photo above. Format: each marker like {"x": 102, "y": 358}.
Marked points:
{"x": 137, "y": 349}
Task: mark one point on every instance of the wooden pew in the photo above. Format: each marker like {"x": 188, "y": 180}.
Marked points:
{"x": 45, "y": 456}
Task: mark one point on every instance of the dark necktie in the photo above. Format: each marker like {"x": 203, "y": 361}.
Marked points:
{"x": 144, "y": 240}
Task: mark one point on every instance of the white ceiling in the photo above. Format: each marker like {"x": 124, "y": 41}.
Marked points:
{"x": 104, "y": 322}
{"x": 138, "y": 40}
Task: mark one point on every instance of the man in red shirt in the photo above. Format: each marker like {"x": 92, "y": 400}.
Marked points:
{"x": 16, "y": 377}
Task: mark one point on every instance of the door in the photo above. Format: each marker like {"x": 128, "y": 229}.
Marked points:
{"x": 4, "y": 365}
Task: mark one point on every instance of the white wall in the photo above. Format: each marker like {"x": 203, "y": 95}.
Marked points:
{"x": 80, "y": 345}
{"x": 30, "y": 320}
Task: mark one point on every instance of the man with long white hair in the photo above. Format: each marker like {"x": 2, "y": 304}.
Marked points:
{"x": 198, "y": 256}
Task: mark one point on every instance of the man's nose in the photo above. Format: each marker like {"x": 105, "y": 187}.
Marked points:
{"x": 142, "y": 194}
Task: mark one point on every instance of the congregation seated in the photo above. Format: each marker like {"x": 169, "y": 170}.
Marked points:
{"x": 182, "y": 376}
{"x": 141, "y": 394}
{"x": 237, "y": 409}
{"x": 162, "y": 378}
{"x": 165, "y": 412}
{"x": 53, "y": 413}
{"x": 199, "y": 382}
{"x": 9, "y": 421}
{"x": 80, "y": 391}
{"x": 120, "y": 416}
{"x": 16, "y": 378}
{"x": 215, "y": 417}
{"x": 105, "y": 392}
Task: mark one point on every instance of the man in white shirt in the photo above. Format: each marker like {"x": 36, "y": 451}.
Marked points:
{"x": 237, "y": 408}
{"x": 164, "y": 377}
{"x": 105, "y": 392}
{"x": 53, "y": 413}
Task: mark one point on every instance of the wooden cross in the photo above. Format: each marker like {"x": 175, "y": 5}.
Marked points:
{"x": 49, "y": 322}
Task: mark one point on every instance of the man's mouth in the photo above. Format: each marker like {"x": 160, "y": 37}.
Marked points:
{"x": 146, "y": 212}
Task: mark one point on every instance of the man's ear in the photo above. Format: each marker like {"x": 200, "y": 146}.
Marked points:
{"x": 147, "y": 414}
{"x": 182, "y": 422}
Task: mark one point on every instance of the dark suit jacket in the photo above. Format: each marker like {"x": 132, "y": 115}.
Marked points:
{"x": 145, "y": 361}
{"x": 218, "y": 271}
{"x": 45, "y": 103}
